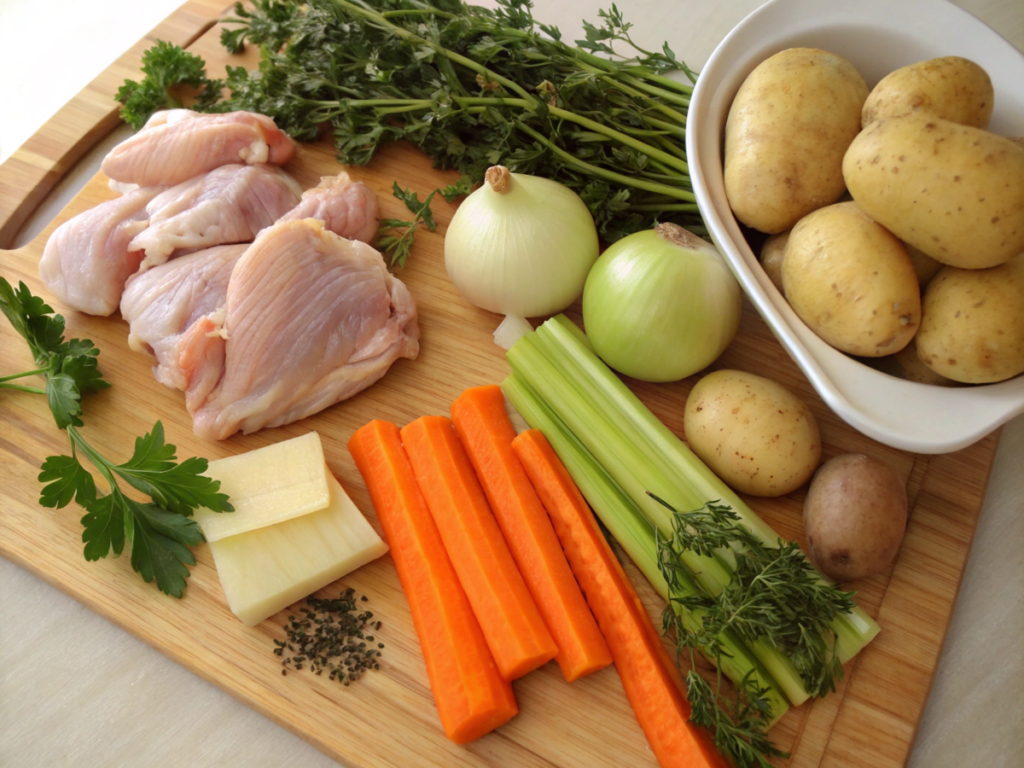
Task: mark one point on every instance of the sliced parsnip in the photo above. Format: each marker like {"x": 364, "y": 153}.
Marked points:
{"x": 268, "y": 486}
{"x": 268, "y": 569}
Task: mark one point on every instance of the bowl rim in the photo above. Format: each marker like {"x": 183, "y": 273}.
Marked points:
{"x": 990, "y": 405}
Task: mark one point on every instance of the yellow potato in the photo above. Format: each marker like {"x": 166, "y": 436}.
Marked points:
{"x": 755, "y": 434}
{"x": 973, "y": 324}
{"x": 852, "y": 282}
{"x": 924, "y": 265}
{"x": 914, "y": 370}
{"x": 952, "y": 88}
{"x": 788, "y": 127}
{"x": 772, "y": 253}
{"x": 954, "y": 192}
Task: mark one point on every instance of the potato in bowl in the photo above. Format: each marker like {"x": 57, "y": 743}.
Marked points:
{"x": 877, "y": 37}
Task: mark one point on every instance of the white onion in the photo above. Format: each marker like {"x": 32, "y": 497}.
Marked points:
{"x": 661, "y": 304}
{"x": 520, "y": 245}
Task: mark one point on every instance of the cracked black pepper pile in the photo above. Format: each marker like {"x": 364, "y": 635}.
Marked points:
{"x": 331, "y": 636}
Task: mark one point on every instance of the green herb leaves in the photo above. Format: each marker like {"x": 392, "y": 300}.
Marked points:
{"x": 158, "y": 533}
{"x": 739, "y": 726}
{"x": 396, "y": 235}
{"x": 774, "y": 596}
{"x": 166, "y": 67}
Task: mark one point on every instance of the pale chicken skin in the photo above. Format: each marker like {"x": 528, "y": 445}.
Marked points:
{"x": 348, "y": 208}
{"x": 88, "y": 259}
{"x": 178, "y": 144}
{"x": 228, "y": 205}
{"x": 310, "y": 319}
{"x": 161, "y": 305}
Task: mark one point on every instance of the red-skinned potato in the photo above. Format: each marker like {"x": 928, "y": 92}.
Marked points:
{"x": 855, "y": 516}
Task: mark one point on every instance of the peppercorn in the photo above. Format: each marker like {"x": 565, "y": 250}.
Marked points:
{"x": 328, "y": 637}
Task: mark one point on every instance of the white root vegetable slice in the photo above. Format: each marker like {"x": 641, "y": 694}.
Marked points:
{"x": 266, "y": 570}
{"x": 268, "y": 486}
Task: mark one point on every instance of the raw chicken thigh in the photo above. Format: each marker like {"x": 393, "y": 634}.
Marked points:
{"x": 163, "y": 303}
{"x": 228, "y": 205}
{"x": 177, "y": 144}
{"x": 348, "y": 208}
{"x": 87, "y": 259}
{"x": 311, "y": 319}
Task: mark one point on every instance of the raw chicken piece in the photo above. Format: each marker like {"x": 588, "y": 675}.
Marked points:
{"x": 162, "y": 305}
{"x": 348, "y": 208}
{"x": 228, "y": 205}
{"x": 312, "y": 318}
{"x": 87, "y": 259}
{"x": 177, "y": 144}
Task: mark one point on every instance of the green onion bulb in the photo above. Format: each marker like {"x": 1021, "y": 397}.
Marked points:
{"x": 661, "y": 304}
{"x": 520, "y": 245}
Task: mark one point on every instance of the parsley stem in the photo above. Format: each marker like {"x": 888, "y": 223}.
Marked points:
{"x": 418, "y": 12}
{"x": 672, "y": 98}
{"x": 22, "y": 375}
{"x": 78, "y": 443}
{"x": 663, "y": 108}
{"x": 673, "y": 129}
{"x": 20, "y": 388}
{"x": 675, "y": 192}
{"x": 688, "y": 207}
{"x": 668, "y": 82}
{"x": 593, "y": 125}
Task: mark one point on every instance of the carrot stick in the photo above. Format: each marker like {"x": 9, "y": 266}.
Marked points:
{"x": 652, "y": 682}
{"x": 508, "y": 616}
{"x": 471, "y": 696}
{"x": 486, "y": 432}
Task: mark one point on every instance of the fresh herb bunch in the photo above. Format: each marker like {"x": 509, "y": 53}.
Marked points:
{"x": 474, "y": 87}
{"x": 166, "y": 67}
{"x": 774, "y": 595}
{"x": 158, "y": 533}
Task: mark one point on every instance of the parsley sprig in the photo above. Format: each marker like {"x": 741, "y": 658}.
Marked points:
{"x": 396, "y": 235}
{"x": 775, "y": 596}
{"x": 166, "y": 67}
{"x": 158, "y": 533}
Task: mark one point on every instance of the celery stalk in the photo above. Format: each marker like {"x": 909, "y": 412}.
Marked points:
{"x": 565, "y": 343}
{"x": 642, "y": 454}
{"x": 594, "y": 380}
{"x": 631, "y": 529}
{"x": 636, "y": 474}
{"x": 613, "y": 451}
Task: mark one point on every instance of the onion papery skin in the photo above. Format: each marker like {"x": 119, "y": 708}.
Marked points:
{"x": 657, "y": 311}
{"x": 525, "y": 251}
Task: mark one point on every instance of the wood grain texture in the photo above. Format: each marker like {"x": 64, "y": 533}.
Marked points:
{"x": 388, "y": 718}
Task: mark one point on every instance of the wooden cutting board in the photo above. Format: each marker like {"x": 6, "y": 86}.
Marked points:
{"x": 388, "y": 718}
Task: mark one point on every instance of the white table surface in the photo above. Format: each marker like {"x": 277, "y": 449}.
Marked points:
{"x": 76, "y": 690}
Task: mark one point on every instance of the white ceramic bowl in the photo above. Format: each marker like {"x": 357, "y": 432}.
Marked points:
{"x": 877, "y": 36}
